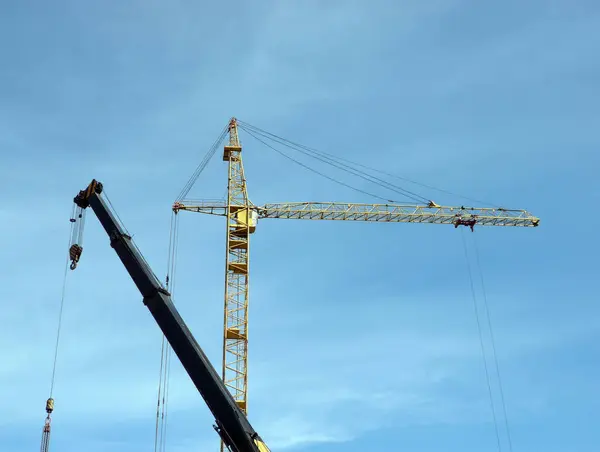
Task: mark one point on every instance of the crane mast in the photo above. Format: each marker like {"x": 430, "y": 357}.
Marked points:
{"x": 239, "y": 226}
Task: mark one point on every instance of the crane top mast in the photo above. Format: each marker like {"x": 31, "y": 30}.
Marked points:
{"x": 234, "y": 140}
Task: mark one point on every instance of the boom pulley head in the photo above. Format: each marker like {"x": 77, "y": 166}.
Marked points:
{"x": 82, "y": 202}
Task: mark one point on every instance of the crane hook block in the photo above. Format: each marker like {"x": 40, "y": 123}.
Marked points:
{"x": 74, "y": 254}
{"x": 49, "y": 405}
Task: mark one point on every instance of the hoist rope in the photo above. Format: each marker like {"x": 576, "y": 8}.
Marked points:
{"x": 169, "y": 350}
{"x": 59, "y": 327}
{"x": 162, "y": 355}
{"x": 45, "y": 444}
{"x": 165, "y": 412}
{"x": 160, "y": 436}
{"x": 62, "y": 303}
{"x": 485, "y": 365}
{"x": 46, "y": 437}
{"x": 493, "y": 342}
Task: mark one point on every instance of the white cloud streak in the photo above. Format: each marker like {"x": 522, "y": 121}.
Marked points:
{"x": 316, "y": 376}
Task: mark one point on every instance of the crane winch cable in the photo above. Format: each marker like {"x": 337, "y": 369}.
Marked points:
{"x": 75, "y": 233}
{"x": 158, "y": 404}
{"x": 481, "y": 344}
{"x": 160, "y": 438}
{"x": 493, "y": 342}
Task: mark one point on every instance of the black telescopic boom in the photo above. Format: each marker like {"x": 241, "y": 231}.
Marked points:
{"x": 231, "y": 423}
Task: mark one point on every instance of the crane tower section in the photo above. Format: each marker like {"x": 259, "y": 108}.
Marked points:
{"x": 241, "y": 222}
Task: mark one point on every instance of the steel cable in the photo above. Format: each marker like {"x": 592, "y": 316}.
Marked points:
{"x": 341, "y": 159}
{"x": 493, "y": 341}
{"x": 485, "y": 365}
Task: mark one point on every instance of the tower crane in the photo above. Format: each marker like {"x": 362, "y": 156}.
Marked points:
{"x": 242, "y": 217}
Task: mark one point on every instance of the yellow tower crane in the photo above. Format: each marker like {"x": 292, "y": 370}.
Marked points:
{"x": 242, "y": 217}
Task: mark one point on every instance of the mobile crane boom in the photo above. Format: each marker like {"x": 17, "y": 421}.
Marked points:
{"x": 231, "y": 423}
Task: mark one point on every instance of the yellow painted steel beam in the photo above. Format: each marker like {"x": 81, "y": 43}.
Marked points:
{"x": 379, "y": 212}
{"x": 235, "y": 321}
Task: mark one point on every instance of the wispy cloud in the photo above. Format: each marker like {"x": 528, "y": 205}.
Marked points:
{"x": 337, "y": 387}
{"x": 478, "y": 97}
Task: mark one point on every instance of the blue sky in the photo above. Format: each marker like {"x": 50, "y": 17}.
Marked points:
{"x": 363, "y": 336}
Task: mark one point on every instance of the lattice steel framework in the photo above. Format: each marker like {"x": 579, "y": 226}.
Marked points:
{"x": 239, "y": 228}
{"x": 380, "y": 213}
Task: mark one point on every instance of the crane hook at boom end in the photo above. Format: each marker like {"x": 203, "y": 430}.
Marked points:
{"x": 82, "y": 201}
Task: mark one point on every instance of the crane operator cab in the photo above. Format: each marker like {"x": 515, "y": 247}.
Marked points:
{"x": 245, "y": 217}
